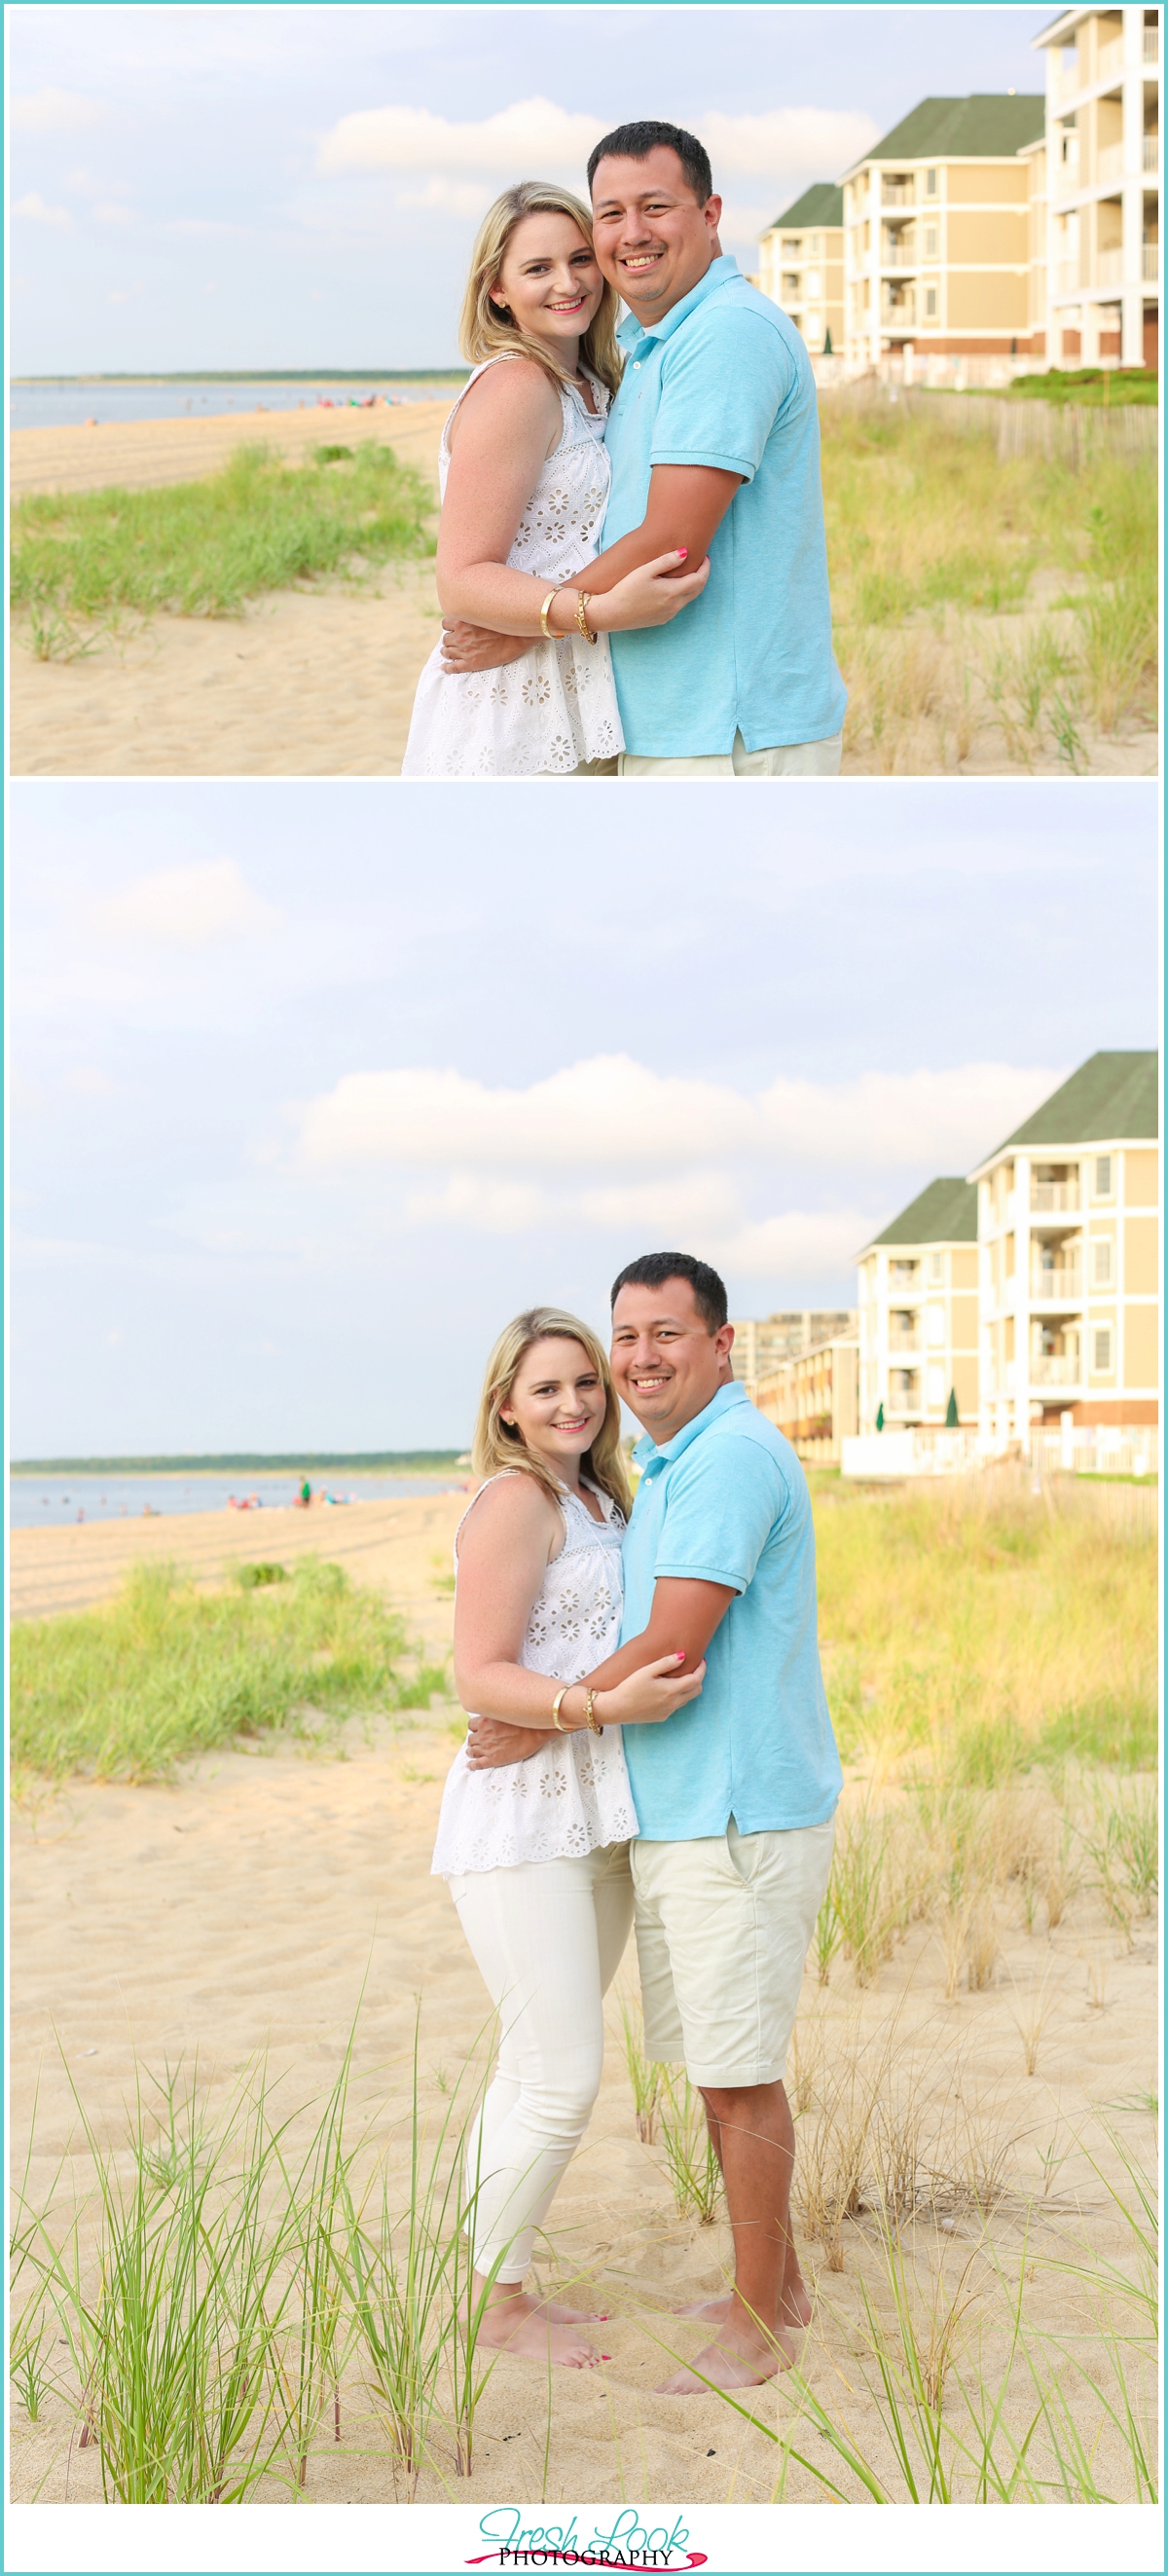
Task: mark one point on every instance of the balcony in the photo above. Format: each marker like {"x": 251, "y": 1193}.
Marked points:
{"x": 1067, "y": 279}
{"x": 1056, "y": 1287}
{"x": 900, "y": 1407}
{"x": 1152, "y": 154}
{"x": 898, "y": 258}
{"x": 898, "y": 317}
{"x": 1109, "y": 267}
{"x": 1109, "y": 164}
{"x": 905, "y": 1346}
{"x": 1151, "y": 263}
{"x": 1053, "y": 1198}
{"x": 1151, "y": 44}
{"x": 1051, "y": 1369}
{"x": 1109, "y": 62}
{"x": 897, "y": 192}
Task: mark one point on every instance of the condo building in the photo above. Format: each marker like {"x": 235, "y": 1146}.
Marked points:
{"x": 1068, "y": 1231}
{"x": 937, "y": 233}
{"x": 760, "y": 1347}
{"x": 918, "y": 1315}
{"x": 801, "y": 267}
{"x": 1101, "y": 209}
{"x": 812, "y": 1398}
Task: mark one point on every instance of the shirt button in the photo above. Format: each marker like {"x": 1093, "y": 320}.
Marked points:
{"x": 636, "y": 364}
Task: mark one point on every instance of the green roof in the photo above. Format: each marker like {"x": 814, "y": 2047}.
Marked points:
{"x": 946, "y": 1212}
{"x": 822, "y": 204}
{"x": 967, "y": 128}
{"x": 1112, "y": 1095}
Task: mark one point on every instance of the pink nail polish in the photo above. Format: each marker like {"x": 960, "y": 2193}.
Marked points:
{"x": 682, "y": 552}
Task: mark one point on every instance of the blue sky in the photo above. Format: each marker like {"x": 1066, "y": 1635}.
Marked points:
{"x": 275, "y": 187}
{"x": 313, "y": 1085}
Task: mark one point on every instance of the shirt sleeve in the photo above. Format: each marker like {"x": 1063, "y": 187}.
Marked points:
{"x": 721, "y": 388}
{"x": 724, "y": 1499}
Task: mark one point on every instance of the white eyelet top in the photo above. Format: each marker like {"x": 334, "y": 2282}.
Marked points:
{"x": 574, "y": 1795}
{"x": 556, "y": 705}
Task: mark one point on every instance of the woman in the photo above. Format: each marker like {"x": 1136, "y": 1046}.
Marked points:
{"x": 537, "y": 1852}
{"x": 524, "y": 480}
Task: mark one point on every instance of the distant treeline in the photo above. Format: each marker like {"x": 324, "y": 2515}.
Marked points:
{"x": 410, "y": 1461}
{"x": 269, "y": 376}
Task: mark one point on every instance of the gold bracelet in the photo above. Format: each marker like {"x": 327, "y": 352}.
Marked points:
{"x": 590, "y": 1719}
{"x": 561, "y": 1695}
{"x": 582, "y": 599}
{"x": 544, "y": 628}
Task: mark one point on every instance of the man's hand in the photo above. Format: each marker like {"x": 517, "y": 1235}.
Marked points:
{"x": 479, "y": 648}
{"x": 491, "y": 1743}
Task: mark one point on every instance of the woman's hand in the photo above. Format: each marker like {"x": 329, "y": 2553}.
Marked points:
{"x": 650, "y": 596}
{"x": 648, "y": 1695}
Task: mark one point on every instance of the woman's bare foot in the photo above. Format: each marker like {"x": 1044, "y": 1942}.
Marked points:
{"x": 560, "y": 2316}
{"x": 520, "y": 2325}
{"x": 739, "y": 2359}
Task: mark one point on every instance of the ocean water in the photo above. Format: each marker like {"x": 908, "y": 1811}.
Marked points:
{"x": 62, "y": 402}
{"x": 45, "y": 1502}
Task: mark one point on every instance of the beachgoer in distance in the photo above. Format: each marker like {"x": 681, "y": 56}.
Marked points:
{"x": 713, "y": 445}
{"x": 736, "y": 1794}
{"x": 524, "y": 479}
{"x": 537, "y": 1854}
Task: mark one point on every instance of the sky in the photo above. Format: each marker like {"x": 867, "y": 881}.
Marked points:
{"x": 313, "y": 1087}
{"x": 299, "y": 187}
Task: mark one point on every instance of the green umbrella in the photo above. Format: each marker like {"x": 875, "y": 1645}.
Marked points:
{"x": 880, "y": 1417}
{"x": 951, "y": 1410}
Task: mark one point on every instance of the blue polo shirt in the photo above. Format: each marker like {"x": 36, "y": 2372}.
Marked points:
{"x": 724, "y": 379}
{"x": 726, "y": 1501}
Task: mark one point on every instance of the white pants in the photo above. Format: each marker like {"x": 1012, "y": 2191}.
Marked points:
{"x": 785, "y": 760}
{"x": 547, "y": 1938}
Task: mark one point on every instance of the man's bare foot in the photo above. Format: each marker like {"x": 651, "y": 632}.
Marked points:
{"x": 518, "y": 2325}
{"x": 794, "y": 2309}
{"x": 716, "y": 2309}
{"x": 795, "y": 2304}
{"x": 737, "y": 2360}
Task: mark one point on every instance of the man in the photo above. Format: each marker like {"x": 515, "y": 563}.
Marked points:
{"x": 714, "y": 442}
{"x": 736, "y": 1793}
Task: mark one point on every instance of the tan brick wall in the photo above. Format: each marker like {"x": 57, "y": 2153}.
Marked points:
{"x": 992, "y": 238}
{"x": 986, "y": 303}
{"x": 988, "y": 184}
{"x": 1141, "y": 1346}
{"x": 1142, "y": 1179}
{"x": 1141, "y": 1253}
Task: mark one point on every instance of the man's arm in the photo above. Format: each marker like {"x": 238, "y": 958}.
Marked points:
{"x": 684, "y": 1616}
{"x": 686, "y": 507}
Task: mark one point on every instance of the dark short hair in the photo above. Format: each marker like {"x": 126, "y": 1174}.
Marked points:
{"x": 636, "y": 142}
{"x": 654, "y": 1268}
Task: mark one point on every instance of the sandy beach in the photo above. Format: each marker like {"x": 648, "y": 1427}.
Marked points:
{"x": 319, "y": 682}
{"x": 240, "y": 1907}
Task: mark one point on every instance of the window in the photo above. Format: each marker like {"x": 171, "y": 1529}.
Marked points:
{"x": 935, "y": 1326}
{"x": 1103, "y": 1349}
{"x": 930, "y": 303}
{"x": 1101, "y": 1265}
{"x": 936, "y": 1265}
{"x": 930, "y": 241}
{"x": 1103, "y": 1176}
{"x": 930, "y": 183}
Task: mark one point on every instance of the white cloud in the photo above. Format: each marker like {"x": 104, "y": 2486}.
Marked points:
{"x": 186, "y": 907}
{"x": 35, "y": 211}
{"x": 613, "y": 1113}
{"x": 109, "y": 213}
{"x": 703, "y": 1211}
{"x": 534, "y": 138}
{"x": 55, "y": 111}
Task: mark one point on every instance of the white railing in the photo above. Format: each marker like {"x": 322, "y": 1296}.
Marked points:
{"x": 899, "y": 1407}
{"x": 898, "y": 317}
{"x": 1053, "y": 1198}
{"x": 898, "y": 258}
{"x": 1048, "y": 1284}
{"x": 1109, "y": 163}
{"x": 1109, "y": 266}
{"x": 897, "y": 193}
{"x": 1151, "y": 44}
{"x": 1049, "y": 1370}
{"x": 1109, "y": 62}
{"x": 906, "y": 1346}
{"x": 1151, "y": 263}
{"x": 1151, "y": 152}
{"x": 1068, "y": 277}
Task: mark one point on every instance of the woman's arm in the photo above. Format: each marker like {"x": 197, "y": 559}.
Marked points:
{"x": 682, "y": 1621}
{"x": 504, "y": 1551}
{"x": 505, "y": 429}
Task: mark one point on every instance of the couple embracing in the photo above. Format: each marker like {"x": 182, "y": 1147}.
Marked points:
{"x": 631, "y": 558}
{"x": 650, "y": 1740}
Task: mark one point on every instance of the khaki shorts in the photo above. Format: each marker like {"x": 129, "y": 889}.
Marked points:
{"x": 786, "y": 760}
{"x": 723, "y": 1929}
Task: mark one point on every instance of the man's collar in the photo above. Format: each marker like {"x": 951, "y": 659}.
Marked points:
{"x": 645, "y": 1450}
{"x": 719, "y": 273}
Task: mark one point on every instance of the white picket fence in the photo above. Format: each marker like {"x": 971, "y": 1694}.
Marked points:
{"x": 1072, "y": 433}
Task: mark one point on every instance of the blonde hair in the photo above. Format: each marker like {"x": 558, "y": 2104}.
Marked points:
{"x": 484, "y": 331}
{"x": 498, "y": 1445}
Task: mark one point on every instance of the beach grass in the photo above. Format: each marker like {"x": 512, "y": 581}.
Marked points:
{"x": 975, "y": 596}
{"x": 87, "y": 559}
{"x": 166, "y": 1672}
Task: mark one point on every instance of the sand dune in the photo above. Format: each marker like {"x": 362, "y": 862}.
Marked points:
{"x": 140, "y": 453}
{"x": 240, "y": 1907}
